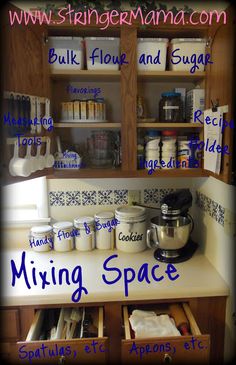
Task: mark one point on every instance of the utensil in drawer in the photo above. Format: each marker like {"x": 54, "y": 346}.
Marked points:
{"x": 67, "y": 319}
{"x": 82, "y": 324}
{"x": 181, "y": 321}
{"x": 75, "y": 317}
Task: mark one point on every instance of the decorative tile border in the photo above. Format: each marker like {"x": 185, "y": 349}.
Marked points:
{"x": 104, "y": 197}
{"x": 213, "y": 209}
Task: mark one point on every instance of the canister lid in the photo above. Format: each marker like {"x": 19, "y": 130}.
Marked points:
{"x": 62, "y": 225}
{"x": 41, "y": 229}
{"x": 186, "y": 40}
{"x": 130, "y": 213}
{"x": 79, "y": 221}
{"x": 154, "y": 40}
{"x": 104, "y": 215}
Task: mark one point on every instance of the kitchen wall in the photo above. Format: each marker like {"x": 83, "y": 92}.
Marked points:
{"x": 76, "y": 197}
{"x": 215, "y": 225}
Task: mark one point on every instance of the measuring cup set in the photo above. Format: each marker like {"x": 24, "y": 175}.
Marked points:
{"x": 19, "y": 166}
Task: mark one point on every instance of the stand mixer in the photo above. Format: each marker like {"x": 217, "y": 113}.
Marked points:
{"x": 170, "y": 231}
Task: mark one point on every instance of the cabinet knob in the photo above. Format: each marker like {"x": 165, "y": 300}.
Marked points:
{"x": 62, "y": 360}
{"x": 167, "y": 358}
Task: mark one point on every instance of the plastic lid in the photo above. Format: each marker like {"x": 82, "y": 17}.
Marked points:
{"x": 102, "y": 38}
{"x": 184, "y": 40}
{"x": 170, "y": 94}
{"x": 153, "y": 40}
{"x": 41, "y": 229}
{"x": 169, "y": 133}
{"x": 130, "y": 212}
{"x": 62, "y": 225}
{"x": 60, "y": 38}
{"x": 153, "y": 133}
{"x": 104, "y": 215}
{"x": 81, "y": 220}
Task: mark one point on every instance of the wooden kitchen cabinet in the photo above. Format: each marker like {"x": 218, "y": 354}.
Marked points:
{"x": 206, "y": 316}
{"x": 31, "y": 75}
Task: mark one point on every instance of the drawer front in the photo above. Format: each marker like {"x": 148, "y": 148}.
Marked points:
{"x": 194, "y": 348}
{"x": 62, "y": 350}
{"x": 80, "y": 351}
{"x": 181, "y": 350}
{"x": 10, "y": 321}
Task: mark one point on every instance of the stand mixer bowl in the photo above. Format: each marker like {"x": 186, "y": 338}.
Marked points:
{"x": 169, "y": 235}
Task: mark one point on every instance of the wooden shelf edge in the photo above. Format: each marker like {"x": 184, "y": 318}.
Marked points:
{"x": 118, "y": 173}
{"x": 169, "y": 125}
{"x": 171, "y": 75}
{"x": 87, "y": 125}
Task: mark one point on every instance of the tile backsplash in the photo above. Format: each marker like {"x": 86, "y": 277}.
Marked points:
{"x": 77, "y": 197}
{"x": 210, "y": 207}
{"x": 104, "y": 197}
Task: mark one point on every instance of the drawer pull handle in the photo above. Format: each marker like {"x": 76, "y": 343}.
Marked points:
{"x": 62, "y": 360}
{"x": 167, "y": 358}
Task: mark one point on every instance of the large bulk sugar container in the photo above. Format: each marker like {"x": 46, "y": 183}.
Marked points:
{"x": 107, "y": 46}
{"x": 186, "y": 47}
{"x": 69, "y": 52}
{"x": 151, "y": 54}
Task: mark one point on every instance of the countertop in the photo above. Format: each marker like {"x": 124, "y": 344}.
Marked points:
{"x": 197, "y": 277}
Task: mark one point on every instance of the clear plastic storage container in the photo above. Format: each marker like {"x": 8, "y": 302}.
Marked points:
{"x": 106, "y": 46}
{"x": 65, "y": 48}
{"x": 153, "y": 52}
{"x": 186, "y": 47}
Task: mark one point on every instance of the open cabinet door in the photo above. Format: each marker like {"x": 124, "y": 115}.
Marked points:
{"x": 219, "y": 83}
{"x": 25, "y": 71}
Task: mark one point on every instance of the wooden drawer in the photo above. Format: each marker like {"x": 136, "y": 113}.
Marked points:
{"x": 68, "y": 351}
{"x": 10, "y": 323}
{"x": 176, "y": 349}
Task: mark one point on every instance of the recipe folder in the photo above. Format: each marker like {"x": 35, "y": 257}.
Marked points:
{"x": 212, "y": 133}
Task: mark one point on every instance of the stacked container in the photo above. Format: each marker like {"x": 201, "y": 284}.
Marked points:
{"x": 183, "y": 152}
{"x": 106, "y": 46}
{"x": 152, "y": 149}
{"x": 64, "y": 47}
{"x": 186, "y": 47}
{"x": 168, "y": 151}
{"x": 150, "y": 47}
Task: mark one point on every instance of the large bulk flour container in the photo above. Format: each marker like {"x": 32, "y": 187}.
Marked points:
{"x": 186, "y": 47}
{"x": 65, "y": 50}
{"x": 107, "y": 46}
{"x": 153, "y": 52}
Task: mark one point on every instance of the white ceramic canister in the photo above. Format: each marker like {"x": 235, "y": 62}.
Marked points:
{"x": 85, "y": 241}
{"x": 63, "y": 236}
{"x": 41, "y": 238}
{"x": 131, "y": 231}
{"x": 105, "y": 223}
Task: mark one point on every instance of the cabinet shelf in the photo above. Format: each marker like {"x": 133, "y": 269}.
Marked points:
{"x": 85, "y": 75}
{"x": 118, "y": 173}
{"x": 173, "y": 173}
{"x": 169, "y": 125}
{"x": 87, "y": 125}
{"x": 180, "y": 76}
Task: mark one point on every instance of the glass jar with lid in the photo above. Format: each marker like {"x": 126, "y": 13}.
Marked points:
{"x": 170, "y": 107}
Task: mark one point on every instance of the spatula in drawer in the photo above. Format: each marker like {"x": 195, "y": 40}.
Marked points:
{"x": 75, "y": 317}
